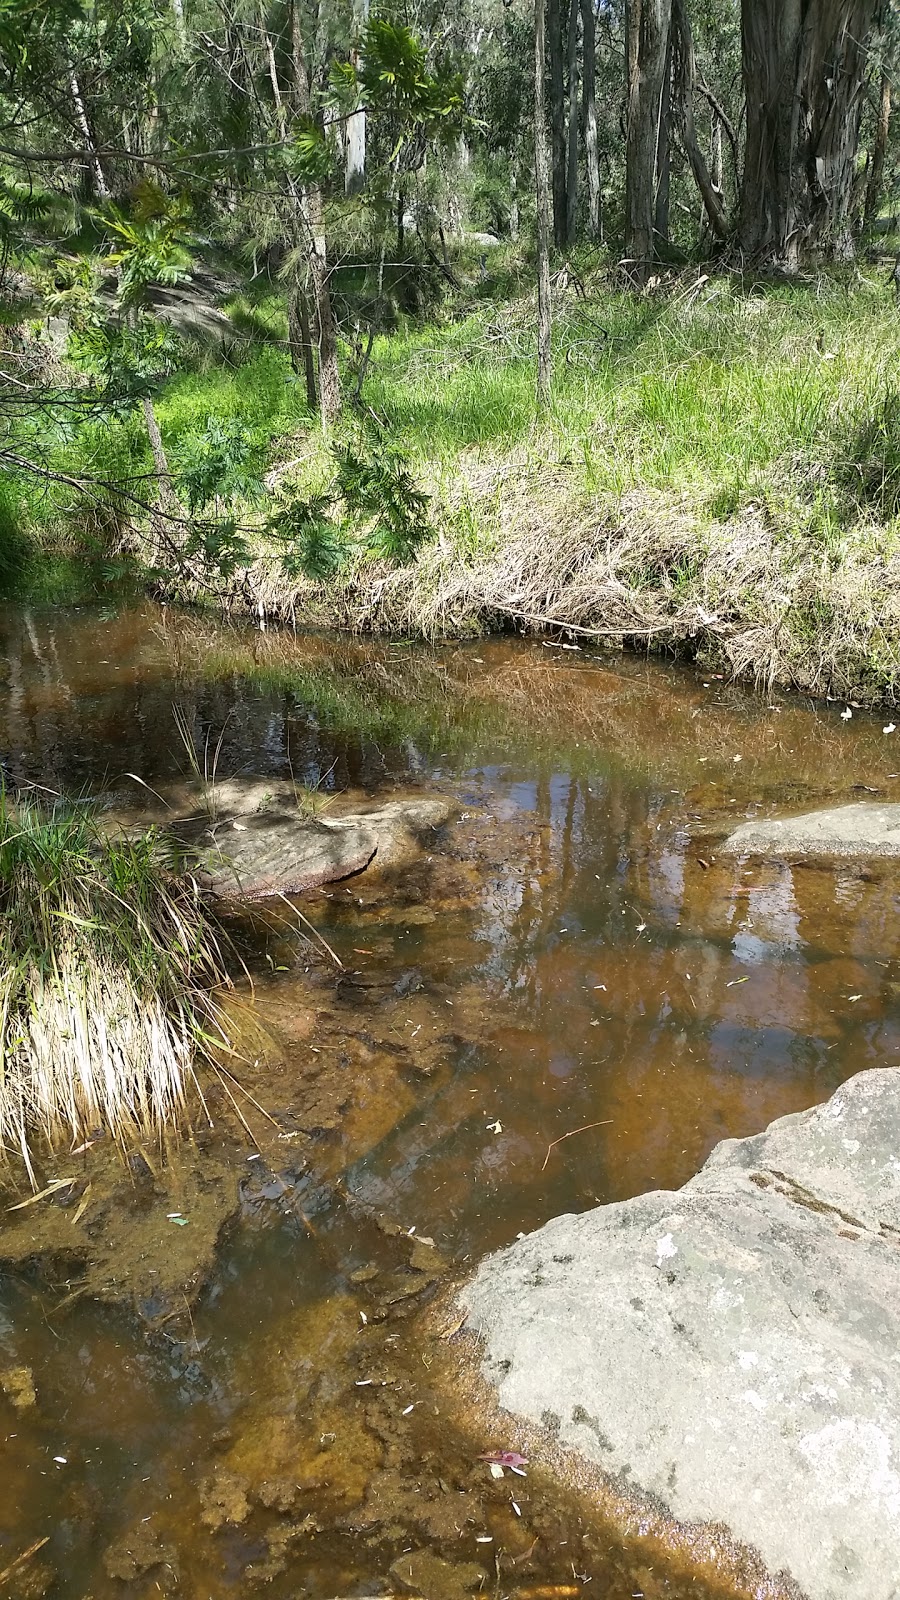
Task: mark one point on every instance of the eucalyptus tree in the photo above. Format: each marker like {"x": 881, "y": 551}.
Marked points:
{"x": 804, "y": 71}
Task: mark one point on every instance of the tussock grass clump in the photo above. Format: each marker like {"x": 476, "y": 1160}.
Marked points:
{"x": 109, "y": 964}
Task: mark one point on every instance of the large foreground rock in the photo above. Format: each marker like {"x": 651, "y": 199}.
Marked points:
{"x": 732, "y": 1349}
{"x": 854, "y": 830}
{"x": 261, "y": 844}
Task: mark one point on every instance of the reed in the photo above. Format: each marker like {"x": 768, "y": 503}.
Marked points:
{"x": 203, "y": 763}
{"x": 109, "y": 967}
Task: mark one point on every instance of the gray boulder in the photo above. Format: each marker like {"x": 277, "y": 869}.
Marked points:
{"x": 855, "y": 830}
{"x": 733, "y": 1349}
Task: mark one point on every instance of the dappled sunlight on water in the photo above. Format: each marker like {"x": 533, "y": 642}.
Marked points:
{"x": 569, "y": 1001}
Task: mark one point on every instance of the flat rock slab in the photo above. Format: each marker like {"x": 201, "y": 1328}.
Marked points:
{"x": 269, "y": 847}
{"x": 854, "y": 830}
{"x": 732, "y": 1349}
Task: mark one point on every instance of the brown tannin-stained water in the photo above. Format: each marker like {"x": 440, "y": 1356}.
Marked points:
{"x": 570, "y": 1001}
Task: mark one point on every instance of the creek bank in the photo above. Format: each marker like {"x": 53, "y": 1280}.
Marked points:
{"x": 863, "y": 829}
{"x": 729, "y": 1350}
{"x": 646, "y": 570}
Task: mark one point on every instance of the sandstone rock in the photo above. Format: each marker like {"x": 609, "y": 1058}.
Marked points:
{"x": 262, "y": 844}
{"x": 856, "y": 830}
{"x": 732, "y": 1349}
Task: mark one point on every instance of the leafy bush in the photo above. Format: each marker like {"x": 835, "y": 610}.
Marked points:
{"x": 220, "y": 466}
{"x": 312, "y": 545}
{"x": 372, "y": 504}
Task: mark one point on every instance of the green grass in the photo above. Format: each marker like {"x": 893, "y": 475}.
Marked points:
{"x": 725, "y": 396}
{"x": 733, "y": 405}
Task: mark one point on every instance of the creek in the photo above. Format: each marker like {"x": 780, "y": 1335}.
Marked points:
{"x": 570, "y": 1000}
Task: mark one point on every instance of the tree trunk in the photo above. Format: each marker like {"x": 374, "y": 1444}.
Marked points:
{"x": 879, "y": 148}
{"x": 557, "y": 120}
{"x": 355, "y": 163}
{"x": 804, "y": 78}
{"x": 300, "y": 339}
{"x": 664, "y": 155}
{"x": 329, "y": 374}
{"x": 100, "y": 184}
{"x": 542, "y": 194}
{"x": 647, "y": 47}
{"x": 572, "y": 135}
{"x": 589, "y": 111}
{"x": 160, "y": 459}
{"x": 685, "y": 76}
{"x": 312, "y": 228}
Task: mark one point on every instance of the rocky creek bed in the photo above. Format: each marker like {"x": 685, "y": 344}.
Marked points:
{"x": 238, "y": 1364}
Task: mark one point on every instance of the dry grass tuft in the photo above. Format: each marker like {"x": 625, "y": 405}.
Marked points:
{"x": 110, "y": 963}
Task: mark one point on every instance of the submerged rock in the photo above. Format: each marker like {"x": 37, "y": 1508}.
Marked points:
{"x": 423, "y": 1573}
{"x": 855, "y": 830}
{"x": 17, "y": 1384}
{"x": 731, "y": 1350}
{"x": 261, "y": 843}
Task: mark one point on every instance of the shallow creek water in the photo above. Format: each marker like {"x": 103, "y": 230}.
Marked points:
{"x": 570, "y": 1001}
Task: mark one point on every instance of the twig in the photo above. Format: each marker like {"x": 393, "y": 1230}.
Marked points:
{"x": 25, "y": 1556}
{"x": 572, "y": 1131}
{"x": 314, "y": 931}
{"x": 591, "y": 633}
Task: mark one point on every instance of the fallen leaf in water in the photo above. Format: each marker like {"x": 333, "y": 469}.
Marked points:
{"x": 504, "y": 1458}
{"x": 496, "y": 1470}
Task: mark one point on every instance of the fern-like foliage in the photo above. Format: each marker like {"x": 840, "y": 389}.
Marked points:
{"x": 219, "y": 466}
{"x": 312, "y": 545}
{"x": 151, "y": 245}
{"x": 380, "y": 492}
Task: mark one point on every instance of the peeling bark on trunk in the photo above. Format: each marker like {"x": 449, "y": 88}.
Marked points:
{"x": 648, "y": 40}
{"x": 664, "y": 155}
{"x": 572, "y": 133}
{"x": 804, "y": 77}
{"x": 355, "y": 162}
{"x": 100, "y": 184}
{"x": 313, "y": 233}
{"x": 542, "y": 193}
{"x": 589, "y": 112}
{"x": 879, "y": 147}
{"x": 685, "y": 74}
{"x": 557, "y": 119}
